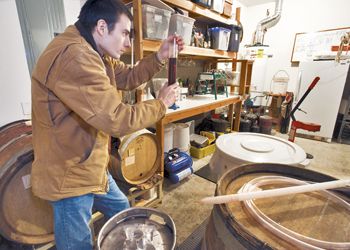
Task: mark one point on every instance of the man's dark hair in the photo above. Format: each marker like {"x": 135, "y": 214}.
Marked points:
{"x": 108, "y": 10}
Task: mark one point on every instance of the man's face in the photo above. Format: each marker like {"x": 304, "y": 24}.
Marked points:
{"x": 116, "y": 42}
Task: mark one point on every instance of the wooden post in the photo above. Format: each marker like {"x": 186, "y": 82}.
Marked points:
{"x": 238, "y": 14}
{"x": 160, "y": 137}
{"x": 243, "y": 78}
{"x": 249, "y": 77}
{"x": 138, "y": 42}
{"x": 137, "y": 14}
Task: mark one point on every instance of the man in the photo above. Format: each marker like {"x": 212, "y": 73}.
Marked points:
{"x": 76, "y": 107}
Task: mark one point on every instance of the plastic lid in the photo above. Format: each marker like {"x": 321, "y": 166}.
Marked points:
{"x": 252, "y": 147}
{"x": 215, "y": 29}
{"x": 159, "y": 4}
{"x": 183, "y": 16}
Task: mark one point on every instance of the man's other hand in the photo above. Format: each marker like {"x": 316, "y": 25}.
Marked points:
{"x": 168, "y": 94}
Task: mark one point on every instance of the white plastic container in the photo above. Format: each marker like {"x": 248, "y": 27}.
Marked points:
{"x": 235, "y": 149}
{"x": 168, "y": 137}
{"x": 181, "y": 137}
{"x": 182, "y": 25}
{"x": 155, "y": 22}
{"x": 218, "y": 6}
{"x": 280, "y": 82}
{"x": 220, "y": 38}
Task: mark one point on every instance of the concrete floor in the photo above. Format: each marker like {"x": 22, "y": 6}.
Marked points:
{"x": 181, "y": 201}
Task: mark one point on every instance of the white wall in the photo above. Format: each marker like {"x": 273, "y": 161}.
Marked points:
{"x": 297, "y": 16}
{"x": 72, "y": 9}
{"x": 14, "y": 74}
{"x": 15, "y": 96}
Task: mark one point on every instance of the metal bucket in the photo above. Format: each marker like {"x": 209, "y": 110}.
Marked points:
{"x": 313, "y": 215}
{"x": 138, "y": 228}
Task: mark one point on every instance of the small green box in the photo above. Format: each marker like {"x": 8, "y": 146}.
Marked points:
{"x": 202, "y": 152}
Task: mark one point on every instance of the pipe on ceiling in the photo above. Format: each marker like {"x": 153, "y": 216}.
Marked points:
{"x": 266, "y": 23}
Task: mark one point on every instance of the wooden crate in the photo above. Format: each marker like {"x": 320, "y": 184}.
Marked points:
{"x": 148, "y": 194}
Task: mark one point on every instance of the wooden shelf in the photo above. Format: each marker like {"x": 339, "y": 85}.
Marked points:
{"x": 196, "y": 104}
{"x": 197, "y": 9}
{"x": 153, "y": 45}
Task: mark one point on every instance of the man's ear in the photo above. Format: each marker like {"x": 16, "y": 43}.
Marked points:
{"x": 101, "y": 27}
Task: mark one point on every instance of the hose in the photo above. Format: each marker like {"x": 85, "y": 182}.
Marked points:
{"x": 292, "y": 237}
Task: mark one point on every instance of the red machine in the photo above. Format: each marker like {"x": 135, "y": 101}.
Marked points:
{"x": 303, "y": 125}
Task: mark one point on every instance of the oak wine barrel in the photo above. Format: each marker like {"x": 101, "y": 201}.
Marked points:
{"x": 24, "y": 218}
{"x": 138, "y": 158}
{"x": 315, "y": 216}
{"x": 13, "y": 130}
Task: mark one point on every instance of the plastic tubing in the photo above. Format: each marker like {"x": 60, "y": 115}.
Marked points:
{"x": 292, "y": 237}
{"x": 276, "y": 192}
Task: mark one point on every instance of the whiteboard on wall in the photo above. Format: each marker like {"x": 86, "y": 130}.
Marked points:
{"x": 308, "y": 45}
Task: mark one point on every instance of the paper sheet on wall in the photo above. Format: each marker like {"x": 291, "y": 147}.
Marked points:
{"x": 308, "y": 46}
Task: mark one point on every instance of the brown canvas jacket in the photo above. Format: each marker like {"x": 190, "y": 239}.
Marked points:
{"x": 75, "y": 107}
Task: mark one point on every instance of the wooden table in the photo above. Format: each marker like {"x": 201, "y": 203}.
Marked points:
{"x": 193, "y": 106}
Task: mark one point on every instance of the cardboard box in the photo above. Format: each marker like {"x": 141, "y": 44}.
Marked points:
{"x": 227, "y": 9}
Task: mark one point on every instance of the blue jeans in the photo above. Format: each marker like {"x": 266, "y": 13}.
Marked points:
{"x": 72, "y": 216}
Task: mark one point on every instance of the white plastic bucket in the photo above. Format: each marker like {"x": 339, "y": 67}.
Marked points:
{"x": 280, "y": 83}
{"x": 168, "y": 137}
{"x": 182, "y": 136}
